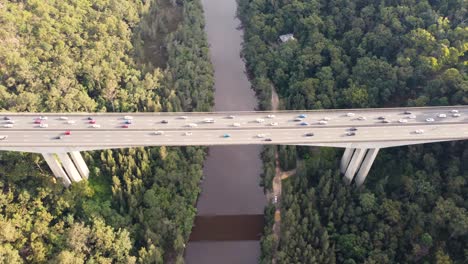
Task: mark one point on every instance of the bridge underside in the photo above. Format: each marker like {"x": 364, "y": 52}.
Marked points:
{"x": 67, "y": 164}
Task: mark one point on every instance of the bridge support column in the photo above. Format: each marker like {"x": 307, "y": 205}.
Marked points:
{"x": 56, "y": 168}
{"x": 354, "y": 164}
{"x": 80, "y": 164}
{"x": 366, "y": 165}
{"x": 345, "y": 159}
{"x": 69, "y": 167}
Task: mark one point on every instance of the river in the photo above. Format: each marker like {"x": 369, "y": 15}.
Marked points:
{"x": 231, "y": 185}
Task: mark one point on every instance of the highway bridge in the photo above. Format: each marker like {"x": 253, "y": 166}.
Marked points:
{"x": 60, "y": 137}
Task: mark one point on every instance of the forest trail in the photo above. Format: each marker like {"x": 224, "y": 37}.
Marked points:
{"x": 279, "y": 176}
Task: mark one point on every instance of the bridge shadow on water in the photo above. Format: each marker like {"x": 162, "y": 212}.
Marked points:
{"x": 227, "y": 228}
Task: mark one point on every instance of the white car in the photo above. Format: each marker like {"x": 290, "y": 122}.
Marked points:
{"x": 192, "y": 125}
{"x": 10, "y": 121}
{"x": 402, "y": 121}
{"x": 271, "y": 116}
{"x": 273, "y": 124}
{"x": 95, "y": 126}
{"x": 128, "y": 117}
{"x": 419, "y": 131}
{"x": 158, "y": 132}
{"x": 3, "y": 137}
{"x": 188, "y": 133}
{"x": 350, "y": 114}
{"x": 323, "y": 122}
{"x": 454, "y": 111}
{"x": 275, "y": 199}
{"x": 8, "y": 125}
{"x": 71, "y": 122}
{"x": 260, "y": 135}
{"x": 429, "y": 119}
{"x": 208, "y": 120}
{"x": 412, "y": 117}
{"x": 236, "y": 124}
{"x": 43, "y": 125}
{"x": 260, "y": 120}
{"x": 326, "y": 118}
{"x": 63, "y": 118}
{"x": 442, "y": 115}
{"x": 230, "y": 117}
{"x": 362, "y": 118}
{"x": 43, "y": 117}
{"x": 456, "y": 115}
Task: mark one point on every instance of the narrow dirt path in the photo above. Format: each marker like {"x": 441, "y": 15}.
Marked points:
{"x": 280, "y": 175}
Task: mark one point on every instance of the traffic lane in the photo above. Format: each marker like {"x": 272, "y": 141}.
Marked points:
{"x": 282, "y": 120}
{"x": 216, "y": 137}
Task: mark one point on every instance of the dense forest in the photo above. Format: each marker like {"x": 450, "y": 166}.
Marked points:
{"x": 413, "y": 206}
{"x": 98, "y": 55}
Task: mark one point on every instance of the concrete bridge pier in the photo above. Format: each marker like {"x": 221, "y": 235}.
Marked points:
{"x": 358, "y": 160}
{"x": 70, "y": 167}
{"x": 56, "y": 168}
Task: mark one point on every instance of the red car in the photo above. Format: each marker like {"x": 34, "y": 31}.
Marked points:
{"x": 125, "y": 126}
{"x": 37, "y": 121}
{"x": 68, "y": 132}
{"x": 92, "y": 121}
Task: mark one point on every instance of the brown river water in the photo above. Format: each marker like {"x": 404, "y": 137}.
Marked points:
{"x": 232, "y": 173}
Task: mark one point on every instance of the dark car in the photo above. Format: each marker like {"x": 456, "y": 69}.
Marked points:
{"x": 125, "y": 126}
{"x": 381, "y": 118}
{"x": 407, "y": 113}
{"x": 90, "y": 118}
{"x": 351, "y": 133}
{"x": 7, "y": 118}
{"x": 309, "y": 134}
{"x": 164, "y": 121}
{"x": 268, "y": 139}
{"x": 58, "y": 137}
{"x": 128, "y": 121}
{"x": 91, "y": 121}
{"x": 352, "y": 129}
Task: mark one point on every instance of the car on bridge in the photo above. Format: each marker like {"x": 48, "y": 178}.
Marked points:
{"x": 95, "y": 126}
{"x": 226, "y": 135}
{"x": 63, "y": 118}
{"x": 350, "y": 114}
{"x": 302, "y": 116}
{"x": 128, "y": 117}
{"x": 402, "y": 121}
{"x": 271, "y": 116}
{"x": 230, "y": 117}
{"x": 188, "y": 133}
{"x": 192, "y": 125}
{"x": 67, "y": 133}
{"x": 71, "y": 122}
{"x": 322, "y": 122}
{"x": 236, "y": 124}
{"x": 208, "y": 120}
{"x": 273, "y": 123}
{"x": 310, "y": 134}
{"x": 3, "y": 137}
{"x": 419, "y": 131}
{"x": 8, "y": 125}
{"x": 442, "y": 115}
{"x": 128, "y": 121}
{"x": 92, "y": 121}
{"x": 268, "y": 139}
{"x": 164, "y": 121}
{"x": 43, "y": 125}
{"x": 456, "y": 115}
{"x": 430, "y": 119}
{"x": 158, "y": 133}
{"x": 350, "y": 133}
{"x": 260, "y": 135}
{"x": 37, "y": 121}
{"x": 6, "y": 118}
{"x": 125, "y": 126}
{"x": 304, "y": 124}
